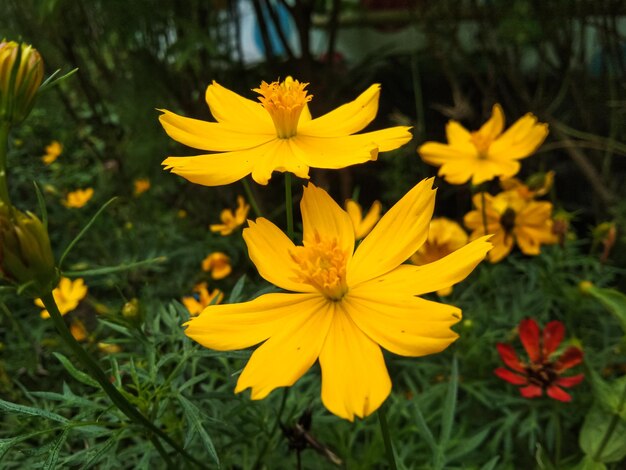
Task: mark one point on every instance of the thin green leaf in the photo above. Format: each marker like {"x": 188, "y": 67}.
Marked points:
{"x": 192, "y": 414}
{"x": 613, "y": 300}
{"x": 467, "y": 445}
{"x": 101, "y": 450}
{"x": 30, "y": 411}
{"x": 74, "y": 372}
{"x": 115, "y": 269}
{"x": 491, "y": 464}
{"x": 42, "y": 206}
{"x": 53, "y": 453}
{"x": 423, "y": 428}
{"x": 447, "y": 417}
{"x": 235, "y": 294}
{"x": 51, "y": 81}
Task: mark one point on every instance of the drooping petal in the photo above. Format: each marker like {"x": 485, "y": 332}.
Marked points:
{"x": 558, "y": 394}
{"x": 212, "y": 136}
{"x": 440, "y": 274}
{"x": 269, "y": 249}
{"x": 569, "y": 381}
{"x": 509, "y": 357}
{"x": 355, "y": 381}
{"x": 553, "y": 334}
{"x": 529, "y": 336}
{"x": 511, "y": 377}
{"x": 531, "y": 391}
{"x": 278, "y": 157}
{"x": 398, "y": 234}
{"x": 493, "y": 127}
{"x": 528, "y": 244}
{"x": 487, "y": 170}
{"x": 346, "y": 119}
{"x": 322, "y": 215}
{"x": 520, "y": 140}
{"x": 230, "y": 108}
{"x": 502, "y": 246}
{"x": 332, "y": 153}
{"x": 571, "y": 357}
{"x": 403, "y": 324}
{"x": 238, "y": 326}
{"x": 290, "y": 351}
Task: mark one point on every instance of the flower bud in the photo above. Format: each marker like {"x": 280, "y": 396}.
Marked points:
{"x": 21, "y": 74}
{"x": 25, "y": 254}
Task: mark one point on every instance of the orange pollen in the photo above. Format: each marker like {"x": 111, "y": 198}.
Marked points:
{"x": 481, "y": 142}
{"x": 285, "y": 102}
{"x": 321, "y": 263}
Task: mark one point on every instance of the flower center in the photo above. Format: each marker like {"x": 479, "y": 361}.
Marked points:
{"x": 482, "y": 142}
{"x": 507, "y": 220}
{"x": 321, "y": 263}
{"x": 541, "y": 374}
{"x": 284, "y": 101}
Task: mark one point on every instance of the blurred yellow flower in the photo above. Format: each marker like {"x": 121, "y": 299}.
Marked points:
{"x": 77, "y": 199}
{"x": 218, "y": 264}
{"x": 67, "y": 296}
{"x": 202, "y": 298}
{"x": 78, "y": 330}
{"x": 181, "y": 214}
{"x": 230, "y": 220}
{"x": 444, "y": 237}
{"x": 109, "y": 348}
{"x": 344, "y": 303}
{"x": 486, "y": 153}
{"x": 52, "y": 152}
{"x": 537, "y": 185}
{"x": 277, "y": 134}
{"x": 141, "y": 185}
{"x": 363, "y": 226}
{"x": 512, "y": 219}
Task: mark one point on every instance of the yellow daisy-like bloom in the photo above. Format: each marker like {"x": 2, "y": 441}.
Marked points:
{"x": 230, "y": 220}
{"x": 67, "y": 296}
{"x": 486, "y": 153}
{"x": 277, "y": 134}
{"x": 445, "y": 236}
{"x": 202, "y": 299}
{"x": 77, "y": 199}
{"x": 363, "y": 226}
{"x": 53, "y": 150}
{"x": 344, "y": 305}
{"x": 512, "y": 219}
{"x": 141, "y": 185}
{"x": 218, "y": 264}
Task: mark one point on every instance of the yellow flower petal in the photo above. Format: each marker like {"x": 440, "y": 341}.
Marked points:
{"x": 239, "y": 326}
{"x": 520, "y": 140}
{"x": 403, "y": 324}
{"x": 280, "y": 156}
{"x": 493, "y": 127}
{"x": 269, "y": 249}
{"x": 230, "y": 108}
{"x": 437, "y": 154}
{"x": 211, "y": 136}
{"x": 346, "y": 119}
{"x": 458, "y": 136}
{"x": 355, "y": 381}
{"x": 502, "y": 246}
{"x": 331, "y": 153}
{"x": 288, "y": 354}
{"x": 398, "y": 234}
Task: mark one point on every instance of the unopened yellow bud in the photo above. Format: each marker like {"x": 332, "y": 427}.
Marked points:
{"x": 21, "y": 74}
{"x": 585, "y": 286}
{"x": 131, "y": 309}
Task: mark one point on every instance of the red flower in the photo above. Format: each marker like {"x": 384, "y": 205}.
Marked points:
{"x": 543, "y": 372}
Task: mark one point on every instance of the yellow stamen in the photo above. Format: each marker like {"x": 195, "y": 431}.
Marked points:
{"x": 322, "y": 264}
{"x": 284, "y": 101}
{"x": 481, "y": 142}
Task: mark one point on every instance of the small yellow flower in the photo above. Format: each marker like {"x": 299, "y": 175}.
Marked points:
{"x": 276, "y": 134}
{"x": 141, "y": 186}
{"x": 181, "y": 214}
{"x": 202, "y": 298}
{"x": 363, "y": 226}
{"x": 486, "y": 153}
{"x": 344, "y": 304}
{"x": 67, "y": 296}
{"x": 231, "y": 221}
{"x": 109, "y": 348}
{"x": 77, "y": 199}
{"x": 512, "y": 219}
{"x": 444, "y": 237}
{"x": 218, "y": 264}
{"x": 53, "y": 150}
{"x": 78, "y": 330}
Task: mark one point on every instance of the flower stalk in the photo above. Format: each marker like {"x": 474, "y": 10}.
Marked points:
{"x": 4, "y": 144}
{"x": 384, "y": 430}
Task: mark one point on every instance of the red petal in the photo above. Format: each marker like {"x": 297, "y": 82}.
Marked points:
{"x": 553, "y": 334}
{"x": 570, "y": 381}
{"x": 558, "y": 394}
{"x": 511, "y": 377}
{"x": 531, "y": 391}
{"x": 569, "y": 358}
{"x": 529, "y": 335}
{"x": 507, "y": 353}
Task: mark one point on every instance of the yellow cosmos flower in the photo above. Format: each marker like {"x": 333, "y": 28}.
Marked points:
{"x": 78, "y": 330}
{"x": 512, "y": 219}
{"x": 486, "y": 153}
{"x": 445, "y": 236}
{"x": 363, "y": 226}
{"x": 230, "y": 220}
{"x": 141, "y": 185}
{"x": 77, "y": 199}
{"x": 67, "y": 296}
{"x": 202, "y": 298}
{"x": 218, "y": 264}
{"x": 345, "y": 304}
{"x": 277, "y": 134}
{"x": 53, "y": 150}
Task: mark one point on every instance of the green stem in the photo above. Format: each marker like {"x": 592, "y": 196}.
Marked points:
{"x": 251, "y": 198}
{"x": 114, "y": 394}
{"x": 289, "y": 205}
{"x": 4, "y": 147}
{"x": 384, "y": 429}
{"x": 279, "y": 415}
{"x": 612, "y": 425}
